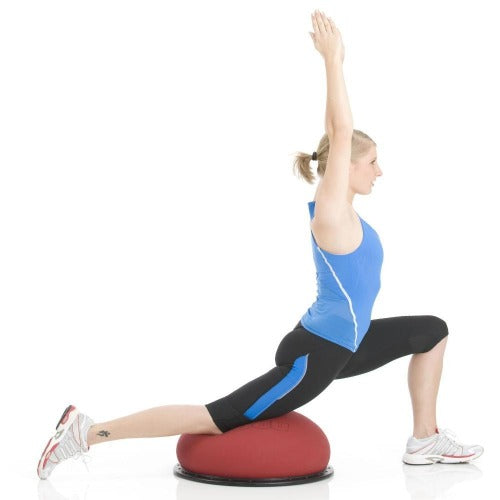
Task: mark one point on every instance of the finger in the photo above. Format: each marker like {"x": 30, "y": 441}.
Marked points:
{"x": 314, "y": 23}
{"x": 332, "y": 24}
{"x": 319, "y": 22}
{"x": 326, "y": 23}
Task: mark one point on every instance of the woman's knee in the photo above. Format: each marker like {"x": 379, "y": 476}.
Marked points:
{"x": 437, "y": 330}
{"x": 440, "y": 327}
{"x": 426, "y": 332}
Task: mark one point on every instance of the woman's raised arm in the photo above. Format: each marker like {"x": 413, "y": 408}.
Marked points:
{"x": 333, "y": 190}
{"x": 328, "y": 42}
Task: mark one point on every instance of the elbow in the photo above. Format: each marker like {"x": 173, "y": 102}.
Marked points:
{"x": 344, "y": 130}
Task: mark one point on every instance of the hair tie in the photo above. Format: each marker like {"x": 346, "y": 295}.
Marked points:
{"x": 314, "y": 156}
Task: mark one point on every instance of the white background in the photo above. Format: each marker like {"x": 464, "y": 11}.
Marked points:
{"x": 155, "y": 243}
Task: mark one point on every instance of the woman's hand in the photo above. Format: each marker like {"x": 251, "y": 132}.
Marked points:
{"x": 326, "y": 37}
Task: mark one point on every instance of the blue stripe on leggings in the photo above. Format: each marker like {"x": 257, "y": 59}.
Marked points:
{"x": 284, "y": 386}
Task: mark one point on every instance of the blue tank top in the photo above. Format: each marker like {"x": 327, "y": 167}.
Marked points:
{"x": 347, "y": 285}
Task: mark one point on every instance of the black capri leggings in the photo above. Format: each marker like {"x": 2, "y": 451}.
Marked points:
{"x": 307, "y": 363}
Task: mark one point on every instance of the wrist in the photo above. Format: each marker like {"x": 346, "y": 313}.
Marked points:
{"x": 333, "y": 60}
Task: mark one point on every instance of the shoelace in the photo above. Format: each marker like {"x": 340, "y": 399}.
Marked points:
{"x": 68, "y": 448}
{"x": 85, "y": 458}
{"x": 451, "y": 437}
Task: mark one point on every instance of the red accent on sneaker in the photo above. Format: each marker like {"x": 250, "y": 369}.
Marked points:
{"x": 437, "y": 432}
{"x": 428, "y": 445}
{"x": 48, "y": 455}
{"x": 44, "y": 450}
{"x": 459, "y": 456}
{"x": 64, "y": 419}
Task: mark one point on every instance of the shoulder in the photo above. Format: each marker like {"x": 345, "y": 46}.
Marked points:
{"x": 339, "y": 233}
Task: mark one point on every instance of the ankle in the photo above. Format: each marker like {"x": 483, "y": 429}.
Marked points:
{"x": 89, "y": 438}
{"x": 424, "y": 432}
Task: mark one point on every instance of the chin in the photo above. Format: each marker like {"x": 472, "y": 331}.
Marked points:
{"x": 367, "y": 191}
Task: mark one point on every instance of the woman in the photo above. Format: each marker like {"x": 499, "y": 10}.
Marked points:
{"x": 335, "y": 338}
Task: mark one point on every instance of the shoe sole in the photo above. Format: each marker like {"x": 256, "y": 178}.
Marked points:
{"x": 414, "y": 459}
{"x": 65, "y": 422}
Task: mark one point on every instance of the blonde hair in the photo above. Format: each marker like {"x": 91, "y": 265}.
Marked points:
{"x": 360, "y": 145}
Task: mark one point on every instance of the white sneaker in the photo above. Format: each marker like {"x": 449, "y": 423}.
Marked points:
{"x": 69, "y": 440}
{"x": 441, "y": 447}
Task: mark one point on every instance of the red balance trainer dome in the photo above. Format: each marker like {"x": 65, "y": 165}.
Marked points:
{"x": 289, "y": 449}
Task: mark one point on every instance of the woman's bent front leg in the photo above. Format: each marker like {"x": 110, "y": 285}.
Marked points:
{"x": 424, "y": 375}
{"x": 391, "y": 338}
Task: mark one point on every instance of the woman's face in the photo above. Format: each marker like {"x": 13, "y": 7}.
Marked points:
{"x": 364, "y": 172}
